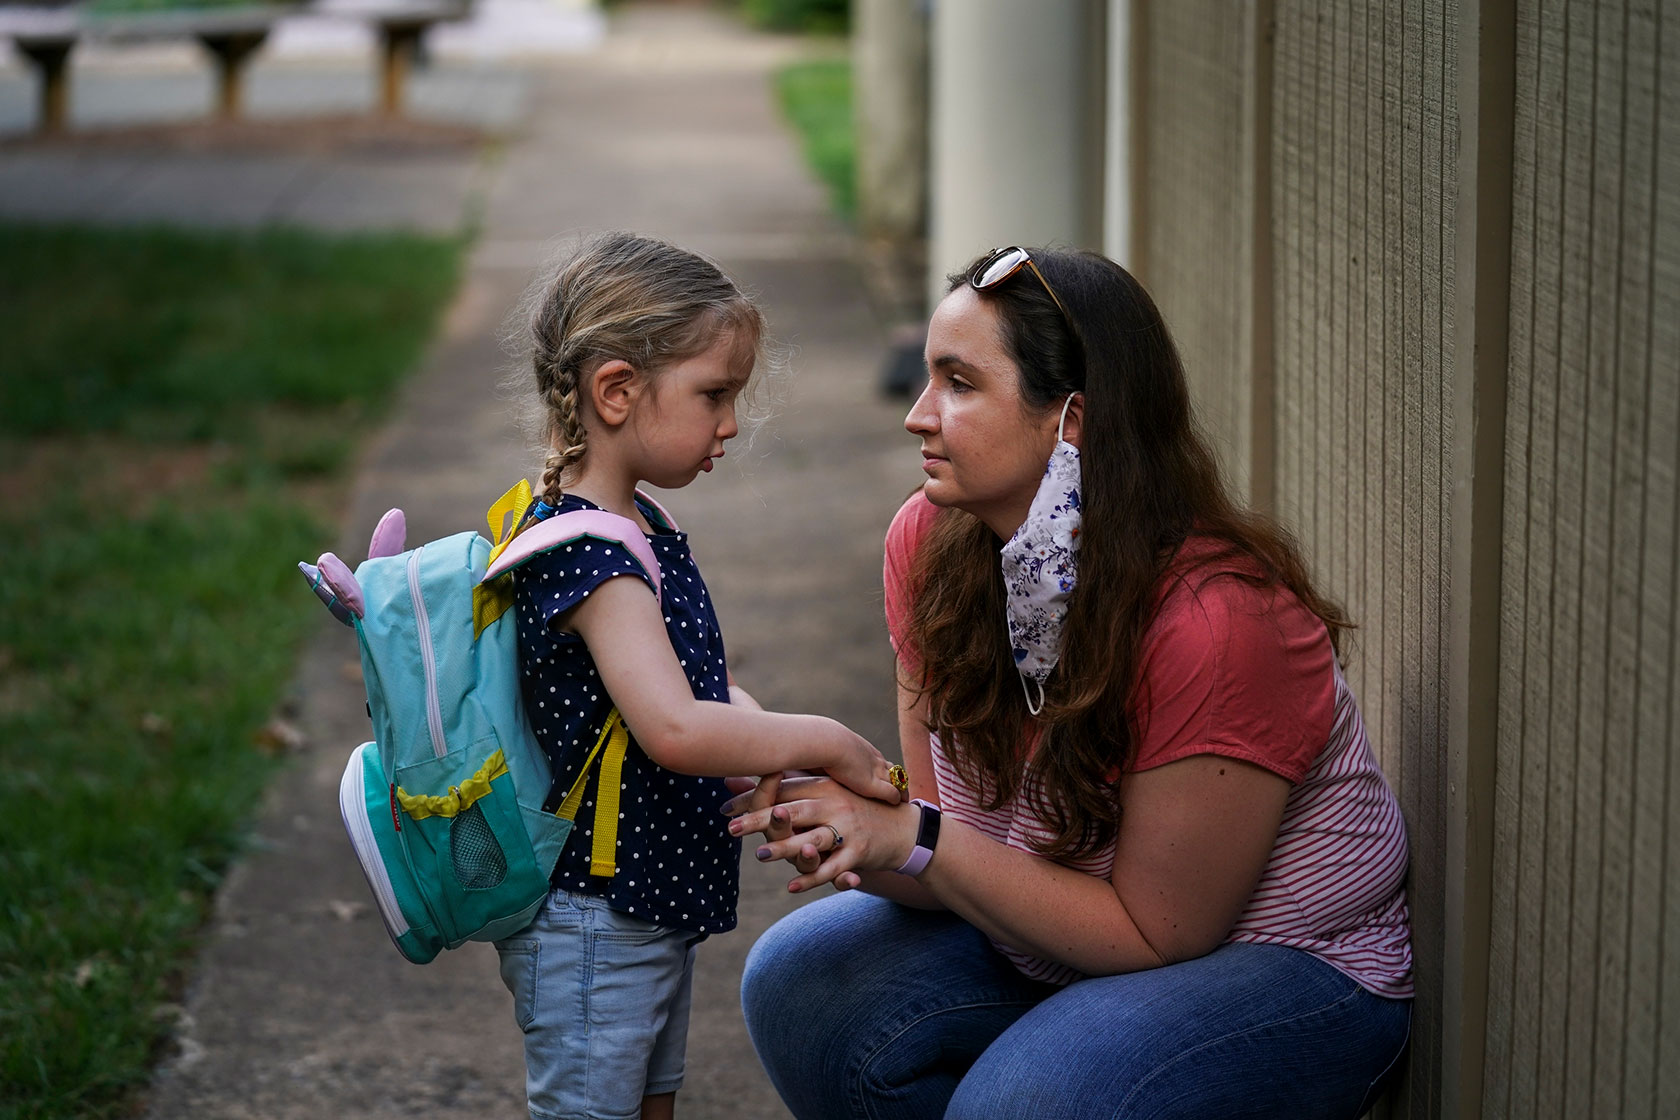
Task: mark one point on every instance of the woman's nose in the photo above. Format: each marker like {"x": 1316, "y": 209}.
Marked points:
{"x": 922, "y": 417}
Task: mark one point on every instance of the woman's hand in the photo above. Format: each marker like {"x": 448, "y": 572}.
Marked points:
{"x": 827, "y": 831}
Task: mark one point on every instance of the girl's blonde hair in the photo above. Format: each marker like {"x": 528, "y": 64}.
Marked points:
{"x": 636, "y": 300}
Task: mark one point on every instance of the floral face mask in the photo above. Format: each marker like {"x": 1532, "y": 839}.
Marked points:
{"x": 1041, "y": 565}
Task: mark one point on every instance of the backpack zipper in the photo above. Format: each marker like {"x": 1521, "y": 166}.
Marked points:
{"x": 434, "y": 713}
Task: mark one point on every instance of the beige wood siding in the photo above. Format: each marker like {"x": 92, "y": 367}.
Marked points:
{"x": 1453, "y": 349}
{"x": 1584, "y": 978}
{"x": 1194, "y": 245}
{"x": 1364, "y": 155}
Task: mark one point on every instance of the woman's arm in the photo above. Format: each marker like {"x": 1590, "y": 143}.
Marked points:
{"x": 621, "y": 624}
{"x": 1194, "y": 837}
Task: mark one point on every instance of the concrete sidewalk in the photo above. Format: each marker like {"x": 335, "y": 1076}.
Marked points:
{"x": 299, "y": 1007}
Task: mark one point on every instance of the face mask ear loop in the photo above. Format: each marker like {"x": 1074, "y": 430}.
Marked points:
{"x": 1062, "y": 423}
{"x": 1028, "y": 691}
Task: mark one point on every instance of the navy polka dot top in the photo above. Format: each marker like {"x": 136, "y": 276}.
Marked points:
{"x": 677, "y": 864}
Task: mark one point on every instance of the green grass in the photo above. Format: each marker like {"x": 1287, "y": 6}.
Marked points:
{"x": 176, "y": 416}
{"x": 817, "y": 99}
{"x": 821, "y": 17}
{"x": 160, "y": 334}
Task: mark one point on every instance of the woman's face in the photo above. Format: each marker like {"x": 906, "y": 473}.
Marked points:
{"x": 983, "y": 451}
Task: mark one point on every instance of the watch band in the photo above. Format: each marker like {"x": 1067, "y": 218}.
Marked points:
{"x": 927, "y": 835}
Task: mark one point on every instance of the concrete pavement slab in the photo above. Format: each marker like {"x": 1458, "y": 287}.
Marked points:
{"x": 299, "y": 1006}
{"x": 142, "y": 149}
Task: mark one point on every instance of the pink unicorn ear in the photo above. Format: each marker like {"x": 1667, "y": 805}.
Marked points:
{"x": 336, "y": 575}
{"x": 390, "y": 536}
{"x": 328, "y": 594}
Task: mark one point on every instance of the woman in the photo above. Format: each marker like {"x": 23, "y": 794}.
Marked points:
{"x": 1152, "y": 868}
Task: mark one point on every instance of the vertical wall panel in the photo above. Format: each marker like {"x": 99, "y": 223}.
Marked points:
{"x": 1365, "y": 185}
{"x": 1369, "y": 354}
{"x": 1582, "y": 1001}
{"x": 1196, "y": 166}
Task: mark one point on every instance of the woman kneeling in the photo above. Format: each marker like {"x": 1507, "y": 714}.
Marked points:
{"x": 1152, "y": 867}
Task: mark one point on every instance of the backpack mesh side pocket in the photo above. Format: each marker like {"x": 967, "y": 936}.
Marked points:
{"x": 478, "y": 858}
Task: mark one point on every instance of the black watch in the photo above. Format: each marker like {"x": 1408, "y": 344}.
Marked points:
{"x": 927, "y": 835}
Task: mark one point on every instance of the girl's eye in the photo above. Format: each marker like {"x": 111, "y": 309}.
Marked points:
{"x": 717, "y": 394}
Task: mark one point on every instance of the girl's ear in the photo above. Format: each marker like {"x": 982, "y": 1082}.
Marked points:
{"x": 612, "y": 390}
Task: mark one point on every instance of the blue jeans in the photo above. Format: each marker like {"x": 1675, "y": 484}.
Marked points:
{"x": 861, "y": 1008}
{"x": 603, "y": 999}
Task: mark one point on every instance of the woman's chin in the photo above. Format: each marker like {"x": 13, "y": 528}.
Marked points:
{"x": 939, "y": 493}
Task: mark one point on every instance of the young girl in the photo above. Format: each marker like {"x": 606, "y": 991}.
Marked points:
{"x": 640, "y": 352}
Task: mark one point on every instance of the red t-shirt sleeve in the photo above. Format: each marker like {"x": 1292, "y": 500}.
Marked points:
{"x": 904, "y": 536}
{"x": 1239, "y": 671}
{"x": 1228, "y": 669}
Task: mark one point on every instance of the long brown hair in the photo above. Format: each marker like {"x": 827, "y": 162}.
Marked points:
{"x": 1150, "y": 483}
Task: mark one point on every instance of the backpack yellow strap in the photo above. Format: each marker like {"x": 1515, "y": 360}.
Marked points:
{"x": 603, "y": 854}
{"x": 506, "y": 515}
{"x": 491, "y": 600}
{"x": 616, "y": 738}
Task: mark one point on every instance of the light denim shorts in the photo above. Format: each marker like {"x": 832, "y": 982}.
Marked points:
{"x": 603, "y": 998}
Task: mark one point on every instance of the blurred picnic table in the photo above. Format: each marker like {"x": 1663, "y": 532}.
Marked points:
{"x": 232, "y": 31}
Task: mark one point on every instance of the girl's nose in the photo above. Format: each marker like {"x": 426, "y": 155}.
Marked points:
{"x": 730, "y": 428}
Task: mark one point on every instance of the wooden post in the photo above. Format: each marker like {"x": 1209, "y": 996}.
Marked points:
{"x": 400, "y": 39}
{"x": 232, "y": 50}
{"x": 49, "y": 54}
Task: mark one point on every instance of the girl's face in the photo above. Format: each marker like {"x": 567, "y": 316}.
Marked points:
{"x": 983, "y": 450}
{"x": 687, "y": 414}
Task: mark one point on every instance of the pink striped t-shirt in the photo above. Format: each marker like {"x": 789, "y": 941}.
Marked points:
{"x": 1247, "y": 673}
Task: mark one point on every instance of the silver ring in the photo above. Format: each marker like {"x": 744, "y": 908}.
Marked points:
{"x": 838, "y": 839}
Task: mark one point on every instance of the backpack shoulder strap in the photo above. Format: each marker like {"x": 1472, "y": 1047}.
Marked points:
{"x": 564, "y": 528}
{"x": 661, "y": 515}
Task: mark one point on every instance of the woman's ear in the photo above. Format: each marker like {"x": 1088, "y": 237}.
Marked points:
{"x": 1073, "y": 427}
{"x": 612, "y": 390}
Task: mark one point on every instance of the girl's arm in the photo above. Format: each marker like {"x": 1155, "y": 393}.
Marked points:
{"x": 621, "y": 624}
{"x": 1194, "y": 837}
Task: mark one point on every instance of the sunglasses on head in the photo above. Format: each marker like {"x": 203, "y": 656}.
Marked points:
{"x": 1000, "y": 264}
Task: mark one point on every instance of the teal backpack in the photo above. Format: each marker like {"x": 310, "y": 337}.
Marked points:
{"x": 445, "y": 806}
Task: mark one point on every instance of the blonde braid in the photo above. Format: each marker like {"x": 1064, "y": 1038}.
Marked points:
{"x": 571, "y": 438}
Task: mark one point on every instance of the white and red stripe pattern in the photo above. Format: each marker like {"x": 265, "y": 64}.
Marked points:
{"x": 1335, "y": 883}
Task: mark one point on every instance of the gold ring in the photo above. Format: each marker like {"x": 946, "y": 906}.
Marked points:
{"x": 899, "y": 779}
{"x": 838, "y": 839}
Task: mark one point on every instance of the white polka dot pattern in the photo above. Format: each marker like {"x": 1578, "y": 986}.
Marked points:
{"x": 677, "y": 864}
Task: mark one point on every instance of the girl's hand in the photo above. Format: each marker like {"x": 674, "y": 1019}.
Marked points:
{"x": 803, "y": 828}
{"x": 863, "y": 770}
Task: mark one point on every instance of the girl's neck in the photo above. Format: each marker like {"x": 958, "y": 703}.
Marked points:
{"x": 611, "y": 492}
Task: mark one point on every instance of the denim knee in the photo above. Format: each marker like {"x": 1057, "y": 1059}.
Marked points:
{"x": 1252, "y": 1031}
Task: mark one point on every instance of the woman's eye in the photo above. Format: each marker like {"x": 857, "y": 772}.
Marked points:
{"x": 958, "y": 385}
